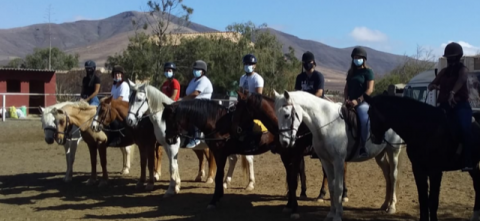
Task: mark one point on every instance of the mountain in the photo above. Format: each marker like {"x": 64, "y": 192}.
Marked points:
{"x": 97, "y": 39}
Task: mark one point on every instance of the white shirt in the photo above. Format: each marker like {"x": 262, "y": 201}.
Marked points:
{"x": 121, "y": 91}
{"x": 251, "y": 82}
{"x": 203, "y": 85}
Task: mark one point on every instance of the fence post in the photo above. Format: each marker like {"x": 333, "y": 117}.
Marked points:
{"x": 3, "y": 107}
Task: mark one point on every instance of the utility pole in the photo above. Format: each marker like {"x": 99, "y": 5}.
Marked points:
{"x": 49, "y": 38}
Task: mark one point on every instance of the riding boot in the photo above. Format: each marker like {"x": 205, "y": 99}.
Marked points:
{"x": 193, "y": 141}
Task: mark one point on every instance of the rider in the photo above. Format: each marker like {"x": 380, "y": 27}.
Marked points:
{"x": 360, "y": 80}
{"x": 311, "y": 81}
{"x": 90, "y": 84}
{"x": 453, "y": 97}
{"x": 251, "y": 82}
{"x": 120, "y": 91}
{"x": 171, "y": 87}
{"x": 199, "y": 87}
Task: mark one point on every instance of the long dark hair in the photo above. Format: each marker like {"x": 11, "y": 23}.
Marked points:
{"x": 354, "y": 67}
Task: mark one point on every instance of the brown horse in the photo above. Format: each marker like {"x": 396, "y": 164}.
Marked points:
{"x": 81, "y": 114}
{"x": 111, "y": 109}
{"x": 256, "y": 106}
{"x": 214, "y": 121}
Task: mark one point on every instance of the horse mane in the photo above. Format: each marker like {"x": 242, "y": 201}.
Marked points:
{"x": 197, "y": 111}
{"x": 413, "y": 108}
{"x": 257, "y": 99}
{"x": 82, "y": 105}
{"x": 308, "y": 98}
{"x": 155, "y": 97}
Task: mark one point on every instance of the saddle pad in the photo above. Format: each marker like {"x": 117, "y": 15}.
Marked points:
{"x": 258, "y": 126}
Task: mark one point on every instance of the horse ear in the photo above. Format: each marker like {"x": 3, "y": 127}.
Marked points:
{"x": 276, "y": 93}
{"x": 41, "y": 109}
{"x": 367, "y": 98}
{"x": 109, "y": 99}
{"x": 286, "y": 94}
{"x": 130, "y": 83}
{"x": 165, "y": 104}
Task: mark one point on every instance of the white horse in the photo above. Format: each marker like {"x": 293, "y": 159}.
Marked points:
{"x": 148, "y": 102}
{"x": 49, "y": 129}
{"x": 333, "y": 142}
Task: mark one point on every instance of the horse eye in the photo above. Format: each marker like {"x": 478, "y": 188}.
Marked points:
{"x": 287, "y": 116}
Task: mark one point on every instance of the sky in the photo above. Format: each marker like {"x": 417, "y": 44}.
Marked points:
{"x": 392, "y": 26}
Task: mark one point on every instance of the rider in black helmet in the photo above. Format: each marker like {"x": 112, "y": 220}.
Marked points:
{"x": 90, "y": 84}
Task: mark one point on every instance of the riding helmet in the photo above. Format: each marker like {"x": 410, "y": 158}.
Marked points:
{"x": 117, "y": 69}
{"x": 199, "y": 64}
{"x": 453, "y": 49}
{"x": 308, "y": 56}
{"x": 170, "y": 65}
{"x": 249, "y": 59}
{"x": 90, "y": 64}
{"x": 359, "y": 51}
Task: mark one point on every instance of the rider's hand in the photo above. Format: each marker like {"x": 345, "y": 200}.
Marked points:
{"x": 451, "y": 100}
{"x": 433, "y": 86}
{"x": 354, "y": 103}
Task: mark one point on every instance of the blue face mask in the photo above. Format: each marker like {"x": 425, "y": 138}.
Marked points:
{"x": 116, "y": 80}
{"x": 248, "y": 68}
{"x": 168, "y": 74}
{"x": 358, "y": 62}
{"x": 197, "y": 73}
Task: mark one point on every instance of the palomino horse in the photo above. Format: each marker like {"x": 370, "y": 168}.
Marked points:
{"x": 432, "y": 145}
{"x": 110, "y": 110}
{"x": 214, "y": 121}
{"x": 147, "y": 101}
{"x": 81, "y": 115}
{"x": 49, "y": 129}
{"x": 333, "y": 143}
{"x": 256, "y": 106}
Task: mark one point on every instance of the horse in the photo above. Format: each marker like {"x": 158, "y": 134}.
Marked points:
{"x": 49, "y": 129}
{"x": 110, "y": 110}
{"x": 333, "y": 143}
{"x": 257, "y": 106}
{"x": 213, "y": 120}
{"x": 432, "y": 145}
{"x": 81, "y": 114}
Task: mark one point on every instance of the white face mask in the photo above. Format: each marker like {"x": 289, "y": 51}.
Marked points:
{"x": 117, "y": 79}
{"x": 248, "y": 68}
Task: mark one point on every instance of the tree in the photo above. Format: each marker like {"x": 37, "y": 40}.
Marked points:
{"x": 39, "y": 59}
{"x": 423, "y": 60}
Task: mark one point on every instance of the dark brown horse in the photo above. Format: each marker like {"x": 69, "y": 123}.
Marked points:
{"x": 214, "y": 121}
{"x": 256, "y": 106}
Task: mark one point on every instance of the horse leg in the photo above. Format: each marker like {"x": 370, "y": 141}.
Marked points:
{"x": 421, "y": 179}
{"x": 151, "y": 164}
{"x": 102, "y": 150}
{"x": 382, "y": 162}
{"x": 247, "y": 161}
{"x": 143, "y": 164}
{"x": 201, "y": 164}
{"x": 338, "y": 169}
{"x": 345, "y": 191}
{"x": 212, "y": 165}
{"x": 329, "y": 170}
{"x": 393, "y": 155}
{"x": 68, "y": 156}
{"x": 126, "y": 160}
{"x": 433, "y": 198}
{"x": 172, "y": 152}
{"x": 303, "y": 179}
{"x": 92, "y": 148}
{"x": 323, "y": 192}
{"x": 158, "y": 162}
{"x": 291, "y": 162}
{"x": 475, "y": 174}
{"x": 232, "y": 161}
{"x": 221, "y": 160}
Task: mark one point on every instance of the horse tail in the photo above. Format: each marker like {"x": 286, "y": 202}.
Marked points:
{"x": 245, "y": 168}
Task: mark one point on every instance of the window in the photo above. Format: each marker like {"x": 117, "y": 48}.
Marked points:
{"x": 13, "y": 86}
{"x": 417, "y": 93}
{"x": 476, "y": 64}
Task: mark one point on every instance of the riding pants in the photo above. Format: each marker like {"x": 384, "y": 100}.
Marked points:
{"x": 94, "y": 101}
{"x": 364, "y": 123}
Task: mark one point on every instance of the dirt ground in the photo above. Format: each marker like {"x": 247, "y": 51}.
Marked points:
{"x": 32, "y": 188}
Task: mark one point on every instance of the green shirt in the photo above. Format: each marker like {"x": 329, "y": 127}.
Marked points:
{"x": 357, "y": 83}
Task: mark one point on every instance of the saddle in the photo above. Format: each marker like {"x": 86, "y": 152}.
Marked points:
{"x": 350, "y": 116}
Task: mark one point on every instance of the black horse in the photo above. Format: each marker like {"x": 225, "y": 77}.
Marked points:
{"x": 432, "y": 145}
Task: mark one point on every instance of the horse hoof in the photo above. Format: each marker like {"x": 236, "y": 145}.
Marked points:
{"x": 287, "y": 210}
{"x": 67, "y": 179}
{"x": 91, "y": 182}
{"x": 125, "y": 171}
{"x": 295, "y": 216}
{"x": 345, "y": 200}
{"x": 225, "y": 186}
{"x": 102, "y": 183}
{"x": 249, "y": 188}
{"x": 157, "y": 176}
{"x": 303, "y": 197}
{"x": 168, "y": 194}
{"x": 139, "y": 185}
{"x": 198, "y": 179}
{"x": 320, "y": 200}
{"x": 384, "y": 207}
{"x": 209, "y": 180}
{"x": 149, "y": 187}
{"x": 210, "y": 206}
{"x": 391, "y": 210}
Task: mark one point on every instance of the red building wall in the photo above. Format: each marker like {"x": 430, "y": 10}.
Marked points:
{"x": 25, "y": 76}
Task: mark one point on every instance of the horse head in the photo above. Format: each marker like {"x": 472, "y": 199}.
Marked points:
{"x": 241, "y": 116}
{"x": 378, "y": 124}
{"x": 105, "y": 112}
{"x": 48, "y": 125}
{"x": 138, "y": 103}
{"x": 289, "y": 118}
{"x": 62, "y": 123}
{"x": 173, "y": 128}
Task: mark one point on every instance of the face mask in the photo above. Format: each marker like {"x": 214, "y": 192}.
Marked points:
{"x": 308, "y": 66}
{"x": 168, "y": 74}
{"x": 197, "y": 73}
{"x": 452, "y": 61}
{"x": 117, "y": 80}
{"x": 89, "y": 71}
{"x": 358, "y": 62}
{"x": 248, "y": 68}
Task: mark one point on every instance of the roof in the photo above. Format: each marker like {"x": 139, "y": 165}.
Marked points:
{"x": 27, "y": 69}
{"x": 423, "y": 77}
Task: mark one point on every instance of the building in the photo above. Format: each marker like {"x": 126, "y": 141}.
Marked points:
{"x": 471, "y": 62}
{"x": 19, "y": 80}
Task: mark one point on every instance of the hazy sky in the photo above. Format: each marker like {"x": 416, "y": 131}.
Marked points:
{"x": 386, "y": 25}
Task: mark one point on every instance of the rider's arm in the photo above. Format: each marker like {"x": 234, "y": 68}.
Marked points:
{"x": 298, "y": 84}
{"x": 97, "y": 89}
{"x": 320, "y": 85}
{"x": 259, "y": 85}
{"x": 369, "y": 78}
{"x": 462, "y": 79}
{"x": 437, "y": 78}
{"x": 176, "y": 88}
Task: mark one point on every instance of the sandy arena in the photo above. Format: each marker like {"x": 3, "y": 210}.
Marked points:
{"x": 31, "y": 188}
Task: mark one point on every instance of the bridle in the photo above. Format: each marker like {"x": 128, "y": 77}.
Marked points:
{"x": 136, "y": 114}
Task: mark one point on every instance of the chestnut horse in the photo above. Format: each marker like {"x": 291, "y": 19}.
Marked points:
{"x": 81, "y": 114}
